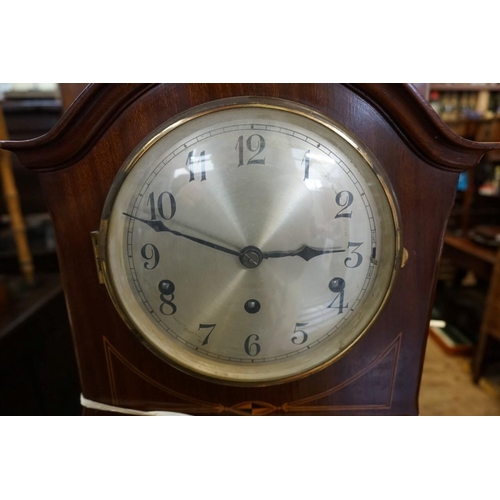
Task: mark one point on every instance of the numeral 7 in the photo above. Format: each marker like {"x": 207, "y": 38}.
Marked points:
{"x": 212, "y": 327}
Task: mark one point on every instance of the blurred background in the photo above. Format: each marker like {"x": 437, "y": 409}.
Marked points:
{"x": 38, "y": 370}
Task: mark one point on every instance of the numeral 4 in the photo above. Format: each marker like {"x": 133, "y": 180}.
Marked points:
{"x": 339, "y": 300}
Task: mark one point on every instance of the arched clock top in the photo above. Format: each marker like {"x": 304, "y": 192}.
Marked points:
{"x": 99, "y": 105}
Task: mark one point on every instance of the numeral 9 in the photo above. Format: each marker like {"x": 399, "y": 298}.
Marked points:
{"x": 153, "y": 255}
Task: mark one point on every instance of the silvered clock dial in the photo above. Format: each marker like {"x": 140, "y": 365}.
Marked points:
{"x": 250, "y": 241}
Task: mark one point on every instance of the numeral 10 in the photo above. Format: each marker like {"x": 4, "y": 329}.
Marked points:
{"x": 159, "y": 204}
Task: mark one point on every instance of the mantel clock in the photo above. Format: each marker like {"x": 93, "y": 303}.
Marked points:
{"x": 249, "y": 249}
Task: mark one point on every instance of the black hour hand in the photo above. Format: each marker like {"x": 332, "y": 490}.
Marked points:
{"x": 306, "y": 252}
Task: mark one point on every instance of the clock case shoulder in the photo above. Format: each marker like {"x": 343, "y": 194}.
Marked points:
{"x": 99, "y": 105}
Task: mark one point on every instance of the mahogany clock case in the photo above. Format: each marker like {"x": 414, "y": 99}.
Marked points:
{"x": 79, "y": 159}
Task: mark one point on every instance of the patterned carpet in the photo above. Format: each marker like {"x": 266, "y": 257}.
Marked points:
{"x": 447, "y": 387}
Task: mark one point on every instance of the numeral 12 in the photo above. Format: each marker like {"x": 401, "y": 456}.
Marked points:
{"x": 260, "y": 144}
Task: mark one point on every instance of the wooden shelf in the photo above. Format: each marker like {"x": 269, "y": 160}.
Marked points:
{"x": 468, "y": 246}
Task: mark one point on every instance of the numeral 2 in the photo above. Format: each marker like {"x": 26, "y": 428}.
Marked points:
{"x": 344, "y": 199}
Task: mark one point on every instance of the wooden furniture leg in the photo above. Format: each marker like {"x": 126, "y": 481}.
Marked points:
{"x": 477, "y": 363}
{"x": 491, "y": 320}
{"x": 14, "y": 208}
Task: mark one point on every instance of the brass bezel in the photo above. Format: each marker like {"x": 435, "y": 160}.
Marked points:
{"x": 215, "y": 106}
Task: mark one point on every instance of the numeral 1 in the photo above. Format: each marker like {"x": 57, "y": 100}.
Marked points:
{"x": 305, "y": 162}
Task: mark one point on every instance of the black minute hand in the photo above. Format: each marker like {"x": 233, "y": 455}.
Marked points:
{"x": 305, "y": 252}
{"x": 158, "y": 226}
